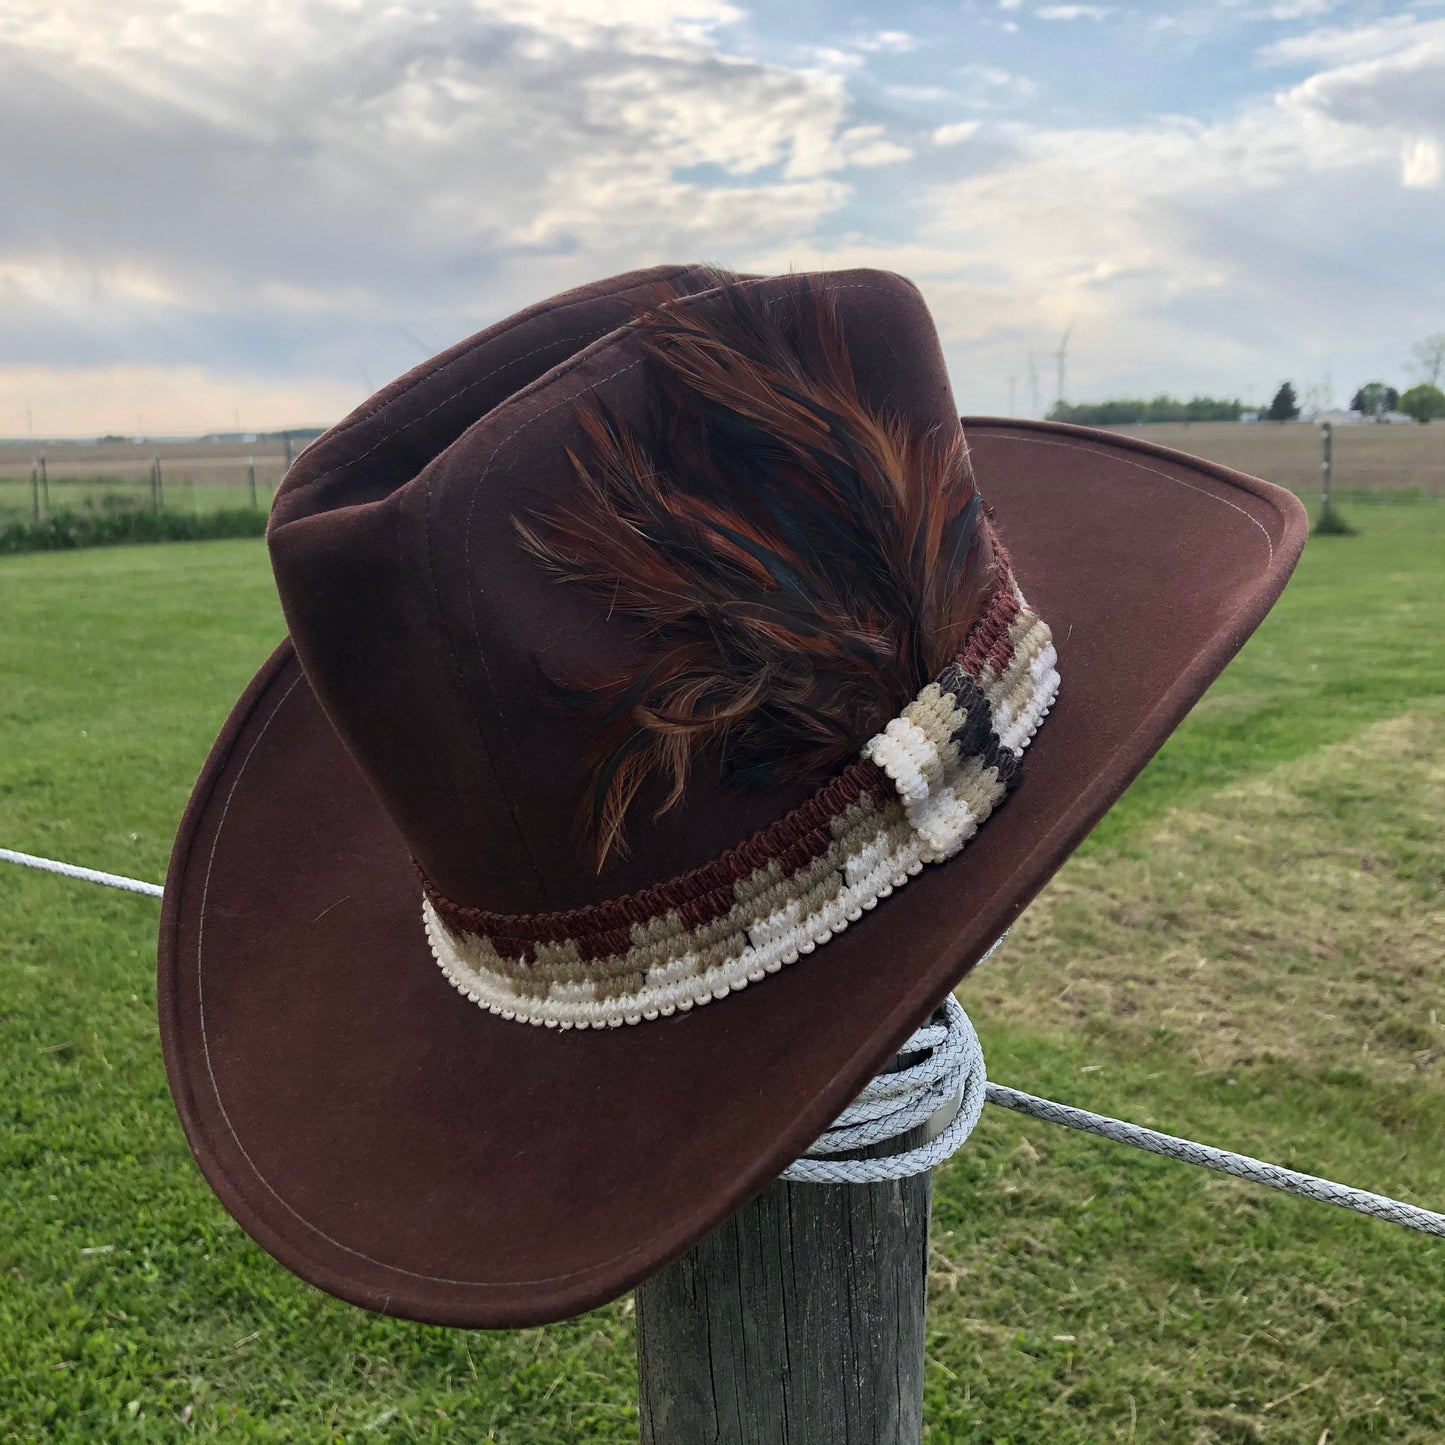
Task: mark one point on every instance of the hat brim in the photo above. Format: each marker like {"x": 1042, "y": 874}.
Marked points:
{"x": 395, "y": 1145}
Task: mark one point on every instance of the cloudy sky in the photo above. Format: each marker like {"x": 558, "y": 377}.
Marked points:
{"x": 268, "y": 208}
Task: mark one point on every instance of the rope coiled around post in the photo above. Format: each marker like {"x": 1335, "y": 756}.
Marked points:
{"x": 951, "y": 1070}
{"x": 894, "y": 1103}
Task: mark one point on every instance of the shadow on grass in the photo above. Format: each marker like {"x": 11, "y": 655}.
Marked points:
{"x": 1329, "y": 523}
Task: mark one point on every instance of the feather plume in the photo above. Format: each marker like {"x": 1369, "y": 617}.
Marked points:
{"x": 801, "y": 564}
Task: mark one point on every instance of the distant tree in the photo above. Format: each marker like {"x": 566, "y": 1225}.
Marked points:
{"x": 1429, "y": 356}
{"x": 1423, "y": 402}
{"x": 1374, "y": 398}
{"x": 1128, "y": 410}
{"x": 1285, "y": 406}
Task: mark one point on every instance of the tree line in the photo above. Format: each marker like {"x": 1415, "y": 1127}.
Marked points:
{"x": 1424, "y": 401}
{"x": 1125, "y": 410}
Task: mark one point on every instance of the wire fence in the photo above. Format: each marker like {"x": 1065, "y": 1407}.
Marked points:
{"x": 1370, "y": 463}
{"x": 41, "y": 482}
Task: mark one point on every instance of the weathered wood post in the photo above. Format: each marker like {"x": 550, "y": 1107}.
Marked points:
{"x": 44, "y": 485}
{"x": 35, "y": 489}
{"x": 800, "y": 1320}
{"x": 158, "y": 499}
{"x": 251, "y": 478}
{"x": 1327, "y": 466}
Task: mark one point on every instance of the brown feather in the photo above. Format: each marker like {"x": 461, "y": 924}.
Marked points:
{"x": 802, "y": 564}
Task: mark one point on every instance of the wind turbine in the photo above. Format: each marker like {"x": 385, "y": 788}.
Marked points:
{"x": 1061, "y": 356}
{"x": 415, "y": 340}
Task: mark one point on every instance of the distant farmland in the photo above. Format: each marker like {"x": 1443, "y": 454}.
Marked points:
{"x": 204, "y": 476}
{"x": 1367, "y": 458}
{"x": 195, "y": 475}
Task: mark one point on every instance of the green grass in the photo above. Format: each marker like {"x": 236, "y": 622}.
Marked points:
{"x": 101, "y": 493}
{"x": 123, "y": 526}
{"x": 1356, "y": 638}
{"x": 1246, "y": 952}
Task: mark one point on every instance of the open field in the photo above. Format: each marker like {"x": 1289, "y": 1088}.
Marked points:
{"x": 178, "y": 495}
{"x": 202, "y": 461}
{"x": 1367, "y": 458}
{"x": 195, "y": 476}
{"x": 1247, "y": 951}
{"x": 208, "y": 476}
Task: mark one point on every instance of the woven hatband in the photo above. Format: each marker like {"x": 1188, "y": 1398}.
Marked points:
{"x": 920, "y": 789}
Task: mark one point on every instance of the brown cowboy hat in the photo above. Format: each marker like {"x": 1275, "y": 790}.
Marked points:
{"x": 640, "y": 646}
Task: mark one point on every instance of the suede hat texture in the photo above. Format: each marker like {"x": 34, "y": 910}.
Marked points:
{"x": 363, "y": 1118}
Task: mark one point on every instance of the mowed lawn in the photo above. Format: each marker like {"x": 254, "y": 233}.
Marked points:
{"x": 1248, "y": 952}
{"x": 17, "y": 498}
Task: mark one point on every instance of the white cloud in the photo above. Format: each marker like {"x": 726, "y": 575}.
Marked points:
{"x": 290, "y": 179}
{"x": 261, "y": 199}
{"x": 1348, "y": 45}
{"x": 1388, "y": 80}
{"x": 998, "y": 77}
{"x": 993, "y": 88}
{"x": 918, "y": 94}
{"x": 892, "y": 42}
{"x": 949, "y": 135}
{"x": 1263, "y": 243}
{"x": 1300, "y": 9}
{"x": 830, "y": 57}
{"x": 867, "y": 145}
{"x": 164, "y": 400}
{"x": 1382, "y": 78}
{"x": 1421, "y": 165}
{"x": 1072, "y": 12}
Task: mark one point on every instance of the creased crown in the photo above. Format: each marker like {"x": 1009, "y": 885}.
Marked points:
{"x": 437, "y": 642}
{"x": 801, "y": 562}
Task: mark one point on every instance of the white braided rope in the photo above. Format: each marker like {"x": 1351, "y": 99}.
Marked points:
{"x": 1223, "y": 1161}
{"x": 86, "y": 875}
{"x": 952, "y": 1068}
{"x": 889, "y": 1107}
{"x": 951, "y": 1072}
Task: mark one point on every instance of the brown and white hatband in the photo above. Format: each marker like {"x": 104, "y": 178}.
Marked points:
{"x": 919, "y": 791}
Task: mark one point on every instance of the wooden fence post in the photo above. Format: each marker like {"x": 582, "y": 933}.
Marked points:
{"x": 44, "y": 485}
{"x": 251, "y": 478}
{"x": 1327, "y": 467}
{"x": 35, "y": 489}
{"x": 799, "y": 1322}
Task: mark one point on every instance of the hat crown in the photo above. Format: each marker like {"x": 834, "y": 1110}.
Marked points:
{"x": 439, "y": 646}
